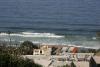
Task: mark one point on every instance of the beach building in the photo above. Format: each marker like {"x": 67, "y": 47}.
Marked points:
{"x": 38, "y": 52}
{"x": 79, "y": 59}
{"x": 63, "y": 55}
{"x": 44, "y": 50}
{"x": 48, "y": 49}
{"x": 79, "y": 56}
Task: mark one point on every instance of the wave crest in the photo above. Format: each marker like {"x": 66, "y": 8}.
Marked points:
{"x": 31, "y": 34}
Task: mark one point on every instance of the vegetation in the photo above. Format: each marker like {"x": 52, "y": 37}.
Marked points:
{"x": 10, "y": 56}
{"x": 66, "y": 65}
{"x": 7, "y": 60}
{"x": 29, "y": 44}
{"x": 53, "y": 52}
{"x": 97, "y": 52}
{"x": 72, "y": 64}
{"x": 27, "y": 48}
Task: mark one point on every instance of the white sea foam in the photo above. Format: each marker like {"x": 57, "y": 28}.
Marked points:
{"x": 86, "y": 47}
{"x": 89, "y": 47}
{"x": 94, "y": 38}
{"x": 3, "y": 34}
{"x": 30, "y": 34}
{"x": 52, "y": 39}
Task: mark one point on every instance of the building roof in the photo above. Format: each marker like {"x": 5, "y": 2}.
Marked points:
{"x": 97, "y": 59}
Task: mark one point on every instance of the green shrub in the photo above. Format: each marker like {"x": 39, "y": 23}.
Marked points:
{"x": 66, "y": 66}
{"x": 7, "y": 60}
{"x": 27, "y": 48}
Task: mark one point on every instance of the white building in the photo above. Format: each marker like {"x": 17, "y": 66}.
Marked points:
{"x": 44, "y": 50}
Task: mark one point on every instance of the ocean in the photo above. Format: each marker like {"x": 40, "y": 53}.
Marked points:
{"x": 69, "y": 22}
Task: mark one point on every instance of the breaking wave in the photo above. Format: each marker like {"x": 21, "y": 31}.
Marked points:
{"x": 51, "y": 38}
{"x": 31, "y": 34}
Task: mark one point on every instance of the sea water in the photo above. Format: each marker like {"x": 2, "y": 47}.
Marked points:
{"x": 69, "y": 22}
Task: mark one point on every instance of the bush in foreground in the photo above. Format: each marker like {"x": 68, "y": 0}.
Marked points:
{"x": 65, "y": 66}
{"x": 7, "y": 60}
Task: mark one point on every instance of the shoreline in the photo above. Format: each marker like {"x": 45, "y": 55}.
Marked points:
{"x": 52, "y": 39}
{"x": 37, "y": 43}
